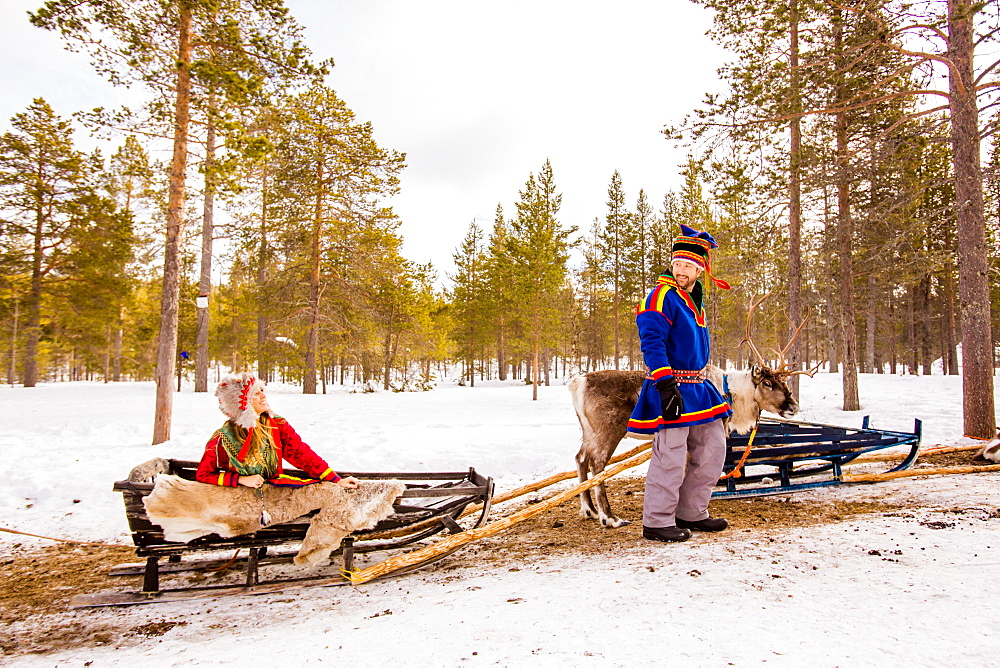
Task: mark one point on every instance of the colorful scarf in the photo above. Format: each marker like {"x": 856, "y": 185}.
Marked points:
{"x": 250, "y": 456}
{"x": 257, "y": 457}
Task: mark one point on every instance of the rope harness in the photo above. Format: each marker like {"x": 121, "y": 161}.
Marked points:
{"x": 60, "y": 540}
{"x": 738, "y": 471}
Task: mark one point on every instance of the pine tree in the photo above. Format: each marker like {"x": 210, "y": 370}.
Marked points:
{"x": 638, "y": 271}
{"x": 469, "y": 298}
{"x": 43, "y": 182}
{"x": 635, "y": 279}
{"x": 850, "y": 56}
{"x": 538, "y": 249}
{"x": 616, "y": 239}
{"x": 131, "y": 184}
{"x": 665, "y": 228}
{"x": 333, "y": 174}
{"x": 499, "y": 297}
{"x": 593, "y": 298}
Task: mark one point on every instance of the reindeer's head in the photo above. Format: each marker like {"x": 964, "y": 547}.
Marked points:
{"x": 771, "y": 391}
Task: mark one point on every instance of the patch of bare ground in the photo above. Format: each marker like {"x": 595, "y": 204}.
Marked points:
{"x": 36, "y": 584}
{"x": 966, "y": 458}
{"x": 35, "y": 587}
{"x": 561, "y": 531}
{"x": 35, "y": 580}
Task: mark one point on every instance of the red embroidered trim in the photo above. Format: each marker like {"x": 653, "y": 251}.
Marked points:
{"x": 699, "y": 316}
{"x": 243, "y": 394}
{"x": 688, "y": 376}
{"x": 682, "y": 376}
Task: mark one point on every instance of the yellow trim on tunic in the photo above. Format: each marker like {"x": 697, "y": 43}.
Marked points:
{"x": 694, "y": 414}
{"x": 661, "y": 295}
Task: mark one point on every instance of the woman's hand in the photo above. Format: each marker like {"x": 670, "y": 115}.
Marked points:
{"x": 350, "y": 482}
{"x": 254, "y": 481}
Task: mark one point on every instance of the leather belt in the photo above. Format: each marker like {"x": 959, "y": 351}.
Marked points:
{"x": 686, "y": 376}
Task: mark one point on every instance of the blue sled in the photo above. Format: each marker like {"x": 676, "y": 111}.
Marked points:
{"x": 791, "y": 456}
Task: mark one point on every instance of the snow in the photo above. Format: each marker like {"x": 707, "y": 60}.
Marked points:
{"x": 811, "y": 596}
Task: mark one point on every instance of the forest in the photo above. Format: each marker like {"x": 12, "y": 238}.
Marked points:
{"x": 845, "y": 161}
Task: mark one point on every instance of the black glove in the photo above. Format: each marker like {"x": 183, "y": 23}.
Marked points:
{"x": 671, "y": 404}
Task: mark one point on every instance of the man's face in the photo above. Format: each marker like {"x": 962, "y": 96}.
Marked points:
{"x": 685, "y": 273}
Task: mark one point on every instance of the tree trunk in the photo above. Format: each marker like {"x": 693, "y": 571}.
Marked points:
{"x": 615, "y": 307}
{"x": 501, "y": 353}
{"x": 312, "y": 338}
{"x": 205, "y": 280}
{"x": 264, "y": 371}
{"x": 892, "y": 337}
{"x": 33, "y": 326}
{"x": 107, "y": 355}
{"x": 870, "y": 324}
{"x": 832, "y": 311}
{"x": 794, "y": 354}
{"x": 943, "y": 342}
{"x": 534, "y": 356}
{"x": 911, "y": 328}
{"x": 845, "y": 234}
{"x": 166, "y": 354}
{"x": 322, "y": 373}
{"x": 116, "y": 356}
{"x": 926, "y": 316}
{"x": 973, "y": 284}
{"x": 387, "y": 354}
{"x": 950, "y": 341}
{"x": 11, "y": 370}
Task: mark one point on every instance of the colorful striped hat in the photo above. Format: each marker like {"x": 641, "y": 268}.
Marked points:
{"x": 696, "y": 247}
{"x": 236, "y": 393}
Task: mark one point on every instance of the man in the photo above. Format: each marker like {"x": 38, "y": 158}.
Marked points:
{"x": 683, "y": 412}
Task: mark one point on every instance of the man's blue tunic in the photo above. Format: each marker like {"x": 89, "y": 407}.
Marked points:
{"x": 674, "y": 337}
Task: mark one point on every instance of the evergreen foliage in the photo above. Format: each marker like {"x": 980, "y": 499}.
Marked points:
{"x": 825, "y": 182}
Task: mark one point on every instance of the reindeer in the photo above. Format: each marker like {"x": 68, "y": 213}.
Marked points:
{"x": 604, "y": 400}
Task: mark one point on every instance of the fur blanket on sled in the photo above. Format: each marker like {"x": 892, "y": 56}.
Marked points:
{"x": 187, "y": 509}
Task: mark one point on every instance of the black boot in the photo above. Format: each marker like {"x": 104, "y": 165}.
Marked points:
{"x": 666, "y": 534}
{"x": 707, "y": 524}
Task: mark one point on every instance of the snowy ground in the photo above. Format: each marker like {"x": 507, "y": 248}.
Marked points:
{"x": 914, "y": 588}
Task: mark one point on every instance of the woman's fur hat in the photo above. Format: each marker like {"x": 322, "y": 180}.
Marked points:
{"x": 236, "y": 393}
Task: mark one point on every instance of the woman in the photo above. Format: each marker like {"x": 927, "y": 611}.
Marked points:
{"x": 249, "y": 448}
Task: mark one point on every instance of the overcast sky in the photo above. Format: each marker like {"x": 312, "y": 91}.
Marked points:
{"x": 477, "y": 94}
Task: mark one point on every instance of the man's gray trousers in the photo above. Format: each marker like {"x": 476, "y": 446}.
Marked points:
{"x": 673, "y": 492}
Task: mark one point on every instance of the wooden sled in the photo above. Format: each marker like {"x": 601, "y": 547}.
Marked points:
{"x": 789, "y": 456}
{"x": 431, "y": 503}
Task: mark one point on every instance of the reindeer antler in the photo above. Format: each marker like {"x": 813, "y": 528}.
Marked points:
{"x": 784, "y": 351}
{"x": 808, "y": 372}
{"x": 783, "y": 369}
{"x": 746, "y": 336}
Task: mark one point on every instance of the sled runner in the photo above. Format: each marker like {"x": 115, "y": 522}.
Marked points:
{"x": 430, "y": 504}
{"x": 788, "y": 456}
